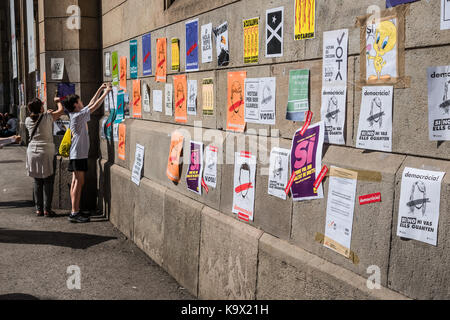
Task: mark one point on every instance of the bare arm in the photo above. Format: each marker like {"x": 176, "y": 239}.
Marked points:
{"x": 58, "y": 113}
{"x": 97, "y": 94}
{"x": 99, "y": 101}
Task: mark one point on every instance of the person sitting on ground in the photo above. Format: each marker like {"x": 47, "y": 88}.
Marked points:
{"x": 41, "y": 155}
{"x": 10, "y": 140}
{"x": 11, "y": 125}
{"x": 79, "y": 150}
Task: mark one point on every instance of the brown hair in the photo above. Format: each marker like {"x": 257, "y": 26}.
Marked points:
{"x": 34, "y": 107}
{"x": 70, "y": 101}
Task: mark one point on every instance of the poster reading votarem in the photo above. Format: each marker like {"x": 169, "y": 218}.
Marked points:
{"x": 418, "y": 209}
{"x": 439, "y": 103}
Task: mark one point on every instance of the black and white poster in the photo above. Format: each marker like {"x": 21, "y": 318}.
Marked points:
{"x": 223, "y": 53}
{"x": 57, "y": 67}
{"x": 375, "y": 119}
{"x": 439, "y": 103}
{"x": 107, "y": 64}
{"x": 206, "y": 34}
{"x": 279, "y": 172}
{"x": 210, "y": 172}
{"x": 333, "y": 113}
{"x": 145, "y": 97}
{"x": 335, "y": 49}
{"x": 192, "y": 98}
{"x": 168, "y": 102}
{"x": 244, "y": 185}
{"x": 418, "y": 209}
{"x": 138, "y": 164}
{"x": 260, "y": 100}
{"x": 274, "y": 32}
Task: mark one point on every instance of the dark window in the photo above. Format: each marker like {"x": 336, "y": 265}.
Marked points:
{"x": 168, "y": 3}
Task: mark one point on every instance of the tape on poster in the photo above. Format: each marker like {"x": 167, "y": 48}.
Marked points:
{"x": 243, "y": 217}
{"x": 205, "y": 186}
{"x": 289, "y": 185}
{"x": 320, "y": 177}
{"x": 352, "y": 256}
{"x": 309, "y": 115}
{"x": 370, "y": 198}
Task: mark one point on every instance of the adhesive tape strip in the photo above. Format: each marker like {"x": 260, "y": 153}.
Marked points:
{"x": 364, "y": 175}
{"x": 352, "y": 256}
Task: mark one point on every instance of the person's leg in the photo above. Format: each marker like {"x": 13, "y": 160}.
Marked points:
{"x": 77, "y": 188}
{"x": 38, "y": 197}
{"x": 48, "y": 191}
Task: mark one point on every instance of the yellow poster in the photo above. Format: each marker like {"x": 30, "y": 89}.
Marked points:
{"x": 305, "y": 19}
{"x": 175, "y": 54}
{"x": 251, "y": 40}
{"x": 208, "y": 96}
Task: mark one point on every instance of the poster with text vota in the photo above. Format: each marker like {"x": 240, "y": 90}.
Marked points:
{"x": 260, "y": 100}
{"x": 195, "y": 169}
{"x": 298, "y": 99}
{"x": 115, "y": 68}
{"x": 439, "y": 103}
{"x": 192, "y": 98}
{"x": 333, "y": 113}
{"x": 251, "y": 40}
{"x": 418, "y": 209}
{"x": 375, "y": 119}
{"x": 206, "y": 35}
{"x": 279, "y": 172}
{"x": 192, "y": 45}
{"x": 274, "y": 32}
{"x": 147, "y": 54}
{"x": 210, "y": 172}
{"x": 133, "y": 59}
{"x": 304, "y": 19}
{"x": 335, "y": 48}
{"x": 306, "y": 162}
{"x": 244, "y": 185}
{"x": 223, "y": 53}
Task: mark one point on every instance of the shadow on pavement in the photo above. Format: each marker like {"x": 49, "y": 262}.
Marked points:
{"x": 16, "y": 204}
{"x": 17, "y": 296}
{"x": 59, "y": 239}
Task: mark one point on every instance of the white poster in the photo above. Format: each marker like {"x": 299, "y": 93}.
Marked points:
{"x": 340, "y": 209}
{"x": 107, "y": 103}
{"x": 244, "y": 185}
{"x": 13, "y": 38}
{"x": 375, "y": 119}
{"x": 260, "y": 100}
{"x": 192, "y": 98}
{"x": 115, "y": 92}
{"x": 274, "y": 32}
{"x": 102, "y": 128}
{"x": 116, "y": 131}
{"x": 445, "y": 14}
{"x": 418, "y": 209}
{"x": 279, "y": 172}
{"x": 207, "y": 43}
{"x": 157, "y": 100}
{"x": 439, "y": 103}
{"x": 145, "y": 97}
{"x": 108, "y": 64}
{"x": 168, "y": 102}
{"x": 210, "y": 172}
{"x": 333, "y": 113}
{"x": 223, "y": 53}
{"x": 335, "y": 48}
{"x": 138, "y": 164}
{"x": 57, "y": 68}
{"x": 31, "y": 37}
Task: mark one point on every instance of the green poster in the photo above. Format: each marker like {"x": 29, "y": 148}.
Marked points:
{"x": 298, "y": 101}
{"x": 115, "y": 68}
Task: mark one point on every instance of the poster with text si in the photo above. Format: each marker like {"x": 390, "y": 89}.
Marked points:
{"x": 175, "y": 54}
{"x": 210, "y": 172}
{"x": 192, "y": 45}
{"x": 375, "y": 119}
{"x": 138, "y": 164}
{"x": 335, "y": 49}
{"x": 57, "y": 67}
{"x": 208, "y": 96}
{"x": 147, "y": 54}
{"x": 445, "y": 14}
{"x": 13, "y": 37}
{"x": 180, "y": 94}
{"x": 137, "y": 103}
{"x": 173, "y": 163}
{"x": 333, "y": 113}
{"x": 306, "y": 162}
{"x": 168, "y": 100}
{"x": 304, "y": 19}
{"x": 161, "y": 60}
{"x": 121, "y": 146}
{"x": 223, "y": 53}
{"x": 145, "y": 97}
{"x": 279, "y": 172}
{"x": 235, "y": 106}
{"x": 439, "y": 103}
{"x": 244, "y": 185}
{"x": 107, "y": 64}
{"x": 123, "y": 73}
{"x": 157, "y": 100}
{"x": 133, "y": 59}
{"x": 115, "y": 68}
{"x": 260, "y": 100}
{"x": 195, "y": 168}
{"x": 206, "y": 35}
{"x": 298, "y": 99}
{"x": 192, "y": 98}
{"x": 274, "y": 32}
{"x": 418, "y": 209}
{"x": 251, "y": 40}
{"x": 31, "y": 37}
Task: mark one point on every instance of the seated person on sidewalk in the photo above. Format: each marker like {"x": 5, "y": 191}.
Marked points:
{"x": 79, "y": 150}
{"x": 10, "y": 140}
{"x": 41, "y": 157}
{"x": 11, "y": 126}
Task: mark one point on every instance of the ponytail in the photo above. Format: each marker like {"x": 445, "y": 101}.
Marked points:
{"x": 34, "y": 107}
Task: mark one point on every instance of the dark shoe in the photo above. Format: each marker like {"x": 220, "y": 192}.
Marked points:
{"x": 49, "y": 214}
{"x": 78, "y": 218}
{"x": 39, "y": 214}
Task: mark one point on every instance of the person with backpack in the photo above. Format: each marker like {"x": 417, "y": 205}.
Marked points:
{"x": 41, "y": 155}
{"x": 79, "y": 148}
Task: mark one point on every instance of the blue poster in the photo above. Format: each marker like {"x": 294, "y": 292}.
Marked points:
{"x": 133, "y": 59}
{"x": 109, "y": 124}
{"x": 147, "y": 54}
{"x": 65, "y": 90}
{"x": 192, "y": 45}
{"x": 120, "y": 106}
{"x": 393, "y": 3}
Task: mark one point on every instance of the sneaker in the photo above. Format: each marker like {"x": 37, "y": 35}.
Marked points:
{"x": 78, "y": 218}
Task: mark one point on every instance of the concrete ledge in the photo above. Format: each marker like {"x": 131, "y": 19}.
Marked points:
{"x": 288, "y": 272}
{"x": 228, "y": 258}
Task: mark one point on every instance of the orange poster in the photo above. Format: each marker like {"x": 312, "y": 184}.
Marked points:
{"x": 235, "y": 106}
{"x": 137, "y": 105}
{"x": 173, "y": 164}
{"x": 161, "y": 60}
{"x": 121, "y": 147}
{"x": 123, "y": 73}
{"x": 180, "y": 87}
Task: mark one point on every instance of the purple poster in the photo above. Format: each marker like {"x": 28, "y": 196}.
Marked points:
{"x": 192, "y": 45}
{"x": 306, "y": 162}
{"x": 194, "y": 174}
{"x": 147, "y": 54}
{"x": 393, "y": 3}
{"x": 65, "y": 90}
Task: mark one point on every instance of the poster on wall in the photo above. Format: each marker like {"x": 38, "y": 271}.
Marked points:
{"x": 244, "y": 185}
{"x": 192, "y": 45}
{"x": 260, "y": 100}
{"x": 306, "y": 162}
{"x": 208, "y": 96}
{"x": 65, "y": 90}
{"x": 333, "y": 113}
{"x": 147, "y": 54}
{"x": 60, "y": 127}
{"x": 133, "y": 59}
{"x": 175, "y": 54}
{"x": 340, "y": 209}
{"x": 418, "y": 209}
{"x": 13, "y": 37}
{"x": 335, "y": 49}
{"x": 195, "y": 168}
{"x": 173, "y": 164}
{"x": 107, "y": 64}
{"x": 168, "y": 102}
{"x": 304, "y": 19}
{"x": 120, "y": 113}
{"x": 115, "y": 68}
{"x": 121, "y": 146}
{"x": 375, "y": 119}
{"x": 157, "y": 100}
{"x": 115, "y": 131}
{"x": 180, "y": 93}
{"x": 161, "y": 60}
{"x": 236, "y": 105}
{"x": 251, "y": 40}
{"x": 31, "y": 37}
{"x": 210, "y": 172}
{"x": 445, "y": 15}
{"x": 145, "y": 97}
{"x": 394, "y": 3}
{"x": 102, "y": 129}
{"x": 109, "y": 124}
{"x": 138, "y": 164}
{"x": 298, "y": 99}
{"x": 57, "y": 68}
{"x": 279, "y": 172}
{"x": 192, "y": 98}
{"x": 107, "y": 104}
{"x": 274, "y": 32}
{"x": 123, "y": 73}
{"x": 206, "y": 34}
{"x": 439, "y": 103}
{"x": 137, "y": 103}
{"x": 223, "y": 53}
